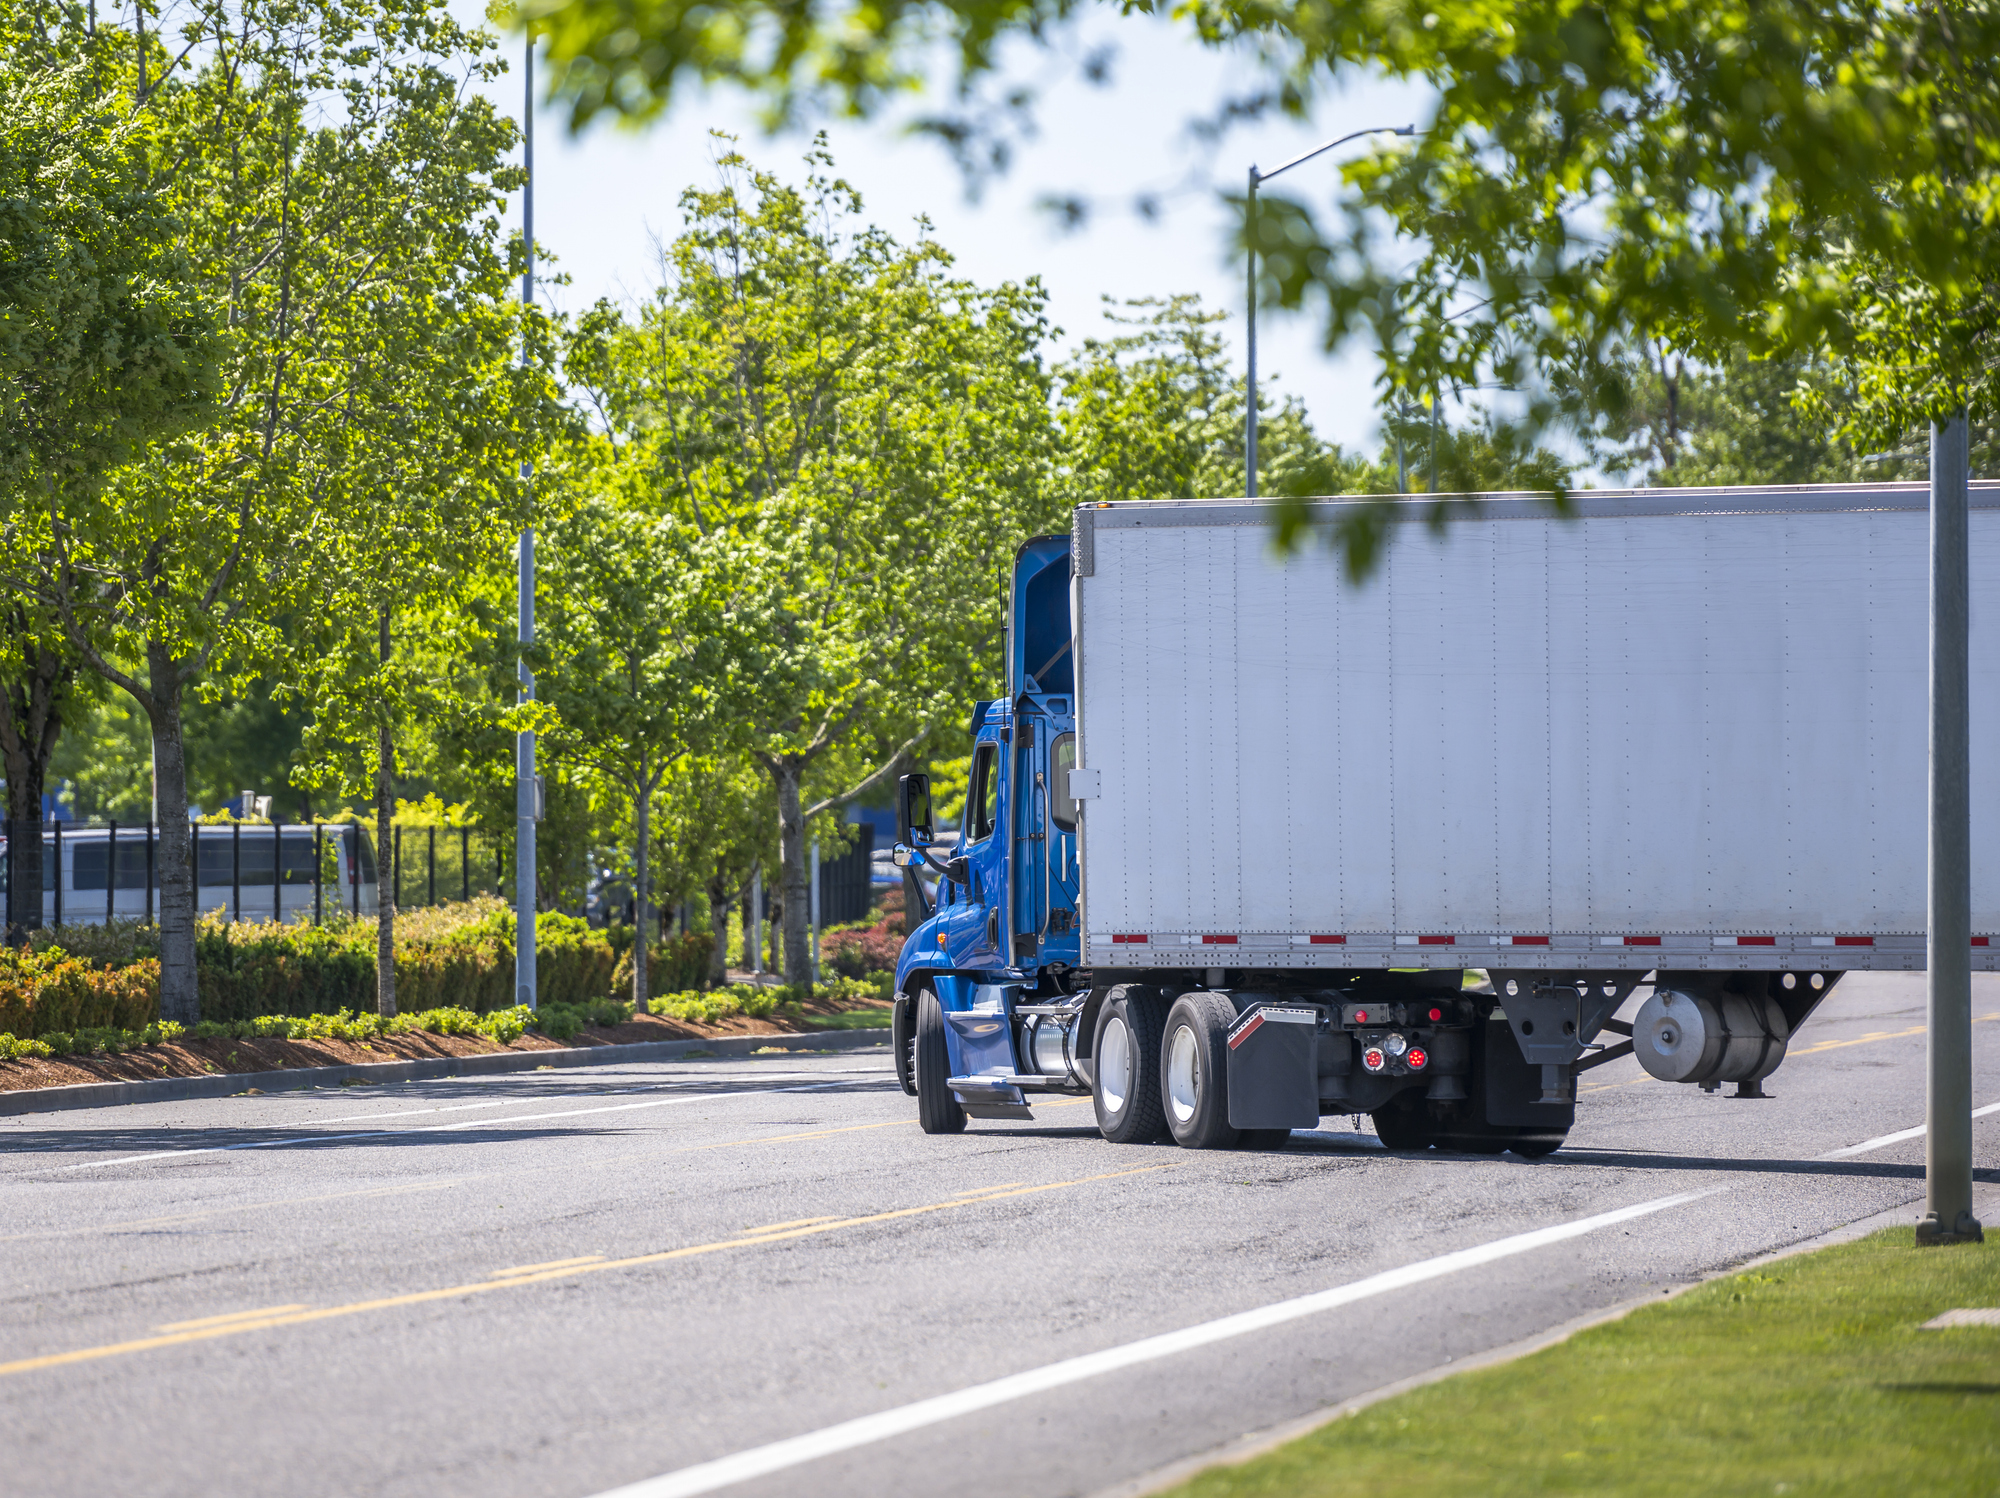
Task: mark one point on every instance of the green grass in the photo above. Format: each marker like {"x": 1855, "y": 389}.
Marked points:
{"x": 852, "y": 1019}
{"x": 1808, "y": 1376}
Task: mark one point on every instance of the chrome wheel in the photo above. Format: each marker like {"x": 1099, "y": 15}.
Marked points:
{"x": 1114, "y": 1064}
{"x": 1183, "y": 1075}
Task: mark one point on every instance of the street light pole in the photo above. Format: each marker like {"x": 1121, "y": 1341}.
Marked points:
{"x": 1948, "y": 981}
{"x": 1250, "y": 239}
{"x": 526, "y": 809}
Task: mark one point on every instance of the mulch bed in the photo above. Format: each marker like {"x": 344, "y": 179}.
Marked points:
{"x": 195, "y": 1058}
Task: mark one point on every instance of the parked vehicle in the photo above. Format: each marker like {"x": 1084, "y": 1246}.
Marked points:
{"x": 248, "y": 871}
{"x": 1239, "y": 827}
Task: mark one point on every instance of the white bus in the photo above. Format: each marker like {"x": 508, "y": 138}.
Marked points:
{"x": 248, "y": 871}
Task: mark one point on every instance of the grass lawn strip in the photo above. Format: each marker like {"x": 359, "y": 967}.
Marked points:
{"x": 1809, "y": 1375}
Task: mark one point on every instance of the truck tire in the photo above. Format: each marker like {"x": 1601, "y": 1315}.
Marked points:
{"x": 1194, "y": 1060}
{"x": 938, "y": 1109}
{"x": 1126, "y": 1066}
{"x": 1262, "y": 1139}
{"x": 1403, "y": 1124}
{"x": 903, "y": 1040}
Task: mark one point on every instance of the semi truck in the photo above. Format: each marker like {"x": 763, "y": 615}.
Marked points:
{"x": 1241, "y": 833}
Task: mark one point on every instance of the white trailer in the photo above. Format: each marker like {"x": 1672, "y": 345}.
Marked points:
{"x": 1685, "y": 729}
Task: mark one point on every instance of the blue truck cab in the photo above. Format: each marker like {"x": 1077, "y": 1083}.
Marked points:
{"x": 1002, "y": 938}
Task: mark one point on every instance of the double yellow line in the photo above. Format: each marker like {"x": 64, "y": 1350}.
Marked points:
{"x": 205, "y": 1329}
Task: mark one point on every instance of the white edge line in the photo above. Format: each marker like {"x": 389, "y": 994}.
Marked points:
{"x": 760, "y": 1461}
{"x": 1885, "y": 1140}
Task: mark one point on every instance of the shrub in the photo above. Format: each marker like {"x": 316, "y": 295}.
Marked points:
{"x": 12, "y": 1049}
{"x": 50, "y": 989}
{"x": 675, "y": 965}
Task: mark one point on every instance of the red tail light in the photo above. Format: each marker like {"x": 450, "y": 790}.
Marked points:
{"x": 1373, "y": 1059}
{"x": 1417, "y": 1058}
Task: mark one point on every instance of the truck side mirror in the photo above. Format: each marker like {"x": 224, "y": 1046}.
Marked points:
{"x": 913, "y": 810}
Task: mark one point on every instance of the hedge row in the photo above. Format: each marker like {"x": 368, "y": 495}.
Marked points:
{"x": 448, "y": 957}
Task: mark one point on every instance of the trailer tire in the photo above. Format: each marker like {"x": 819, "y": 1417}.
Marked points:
{"x": 1194, "y": 1077}
{"x": 1536, "y": 1144}
{"x": 1125, "y": 1070}
{"x": 1262, "y": 1139}
{"x": 1401, "y": 1126}
{"x": 938, "y": 1108}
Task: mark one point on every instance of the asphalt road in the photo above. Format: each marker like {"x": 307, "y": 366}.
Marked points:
{"x": 564, "y": 1282}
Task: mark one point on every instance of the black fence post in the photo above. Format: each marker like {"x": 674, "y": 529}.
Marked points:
{"x": 56, "y": 828}
{"x": 194, "y": 862}
{"x": 319, "y": 870}
{"x": 499, "y": 867}
{"x": 235, "y": 872}
{"x": 396, "y": 869}
{"x": 149, "y": 872}
{"x": 354, "y": 864}
{"x": 464, "y": 863}
{"x": 111, "y": 872}
{"x": 431, "y": 858}
{"x": 277, "y": 869}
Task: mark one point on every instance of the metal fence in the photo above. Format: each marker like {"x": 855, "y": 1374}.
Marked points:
{"x": 99, "y": 872}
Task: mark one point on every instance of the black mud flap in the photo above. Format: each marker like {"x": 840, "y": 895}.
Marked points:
{"x": 1508, "y": 1090}
{"x": 1274, "y": 1068}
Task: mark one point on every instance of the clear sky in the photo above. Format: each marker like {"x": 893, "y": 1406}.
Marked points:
{"x": 602, "y": 200}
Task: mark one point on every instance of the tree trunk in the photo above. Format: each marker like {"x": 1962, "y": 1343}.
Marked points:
{"x": 642, "y": 819}
{"x": 718, "y": 923}
{"x": 792, "y": 855}
{"x": 180, "y": 993}
{"x": 30, "y": 722}
{"x": 385, "y": 860}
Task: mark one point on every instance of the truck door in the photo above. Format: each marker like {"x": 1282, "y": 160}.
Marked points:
{"x": 971, "y": 928}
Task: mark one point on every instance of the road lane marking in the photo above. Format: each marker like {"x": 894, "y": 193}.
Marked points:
{"x": 1825, "y": 1045}
{"x": 1885, "y": 1140}
{"x": 472, "y": 1123}
{"x": 779, "y": 1456}
{"x": 453, "y": 1292}
{"x": 797, "y": 1222}
{"x": 551, "y": 1264}
{"x": 683, "y": 1084}
{"x": 228, "y": 1316}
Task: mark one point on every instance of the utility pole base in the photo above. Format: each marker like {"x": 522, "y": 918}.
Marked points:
{"x": 1931, "y": 1233}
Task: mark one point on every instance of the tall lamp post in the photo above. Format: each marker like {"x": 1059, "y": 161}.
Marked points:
{"x": 1250, "y": 237}
{"x": 527, "y": 785}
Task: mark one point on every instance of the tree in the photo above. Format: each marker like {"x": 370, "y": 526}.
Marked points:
{"x": 843, "y": 424}
{"x": 103, "y": 348}
{"x": 636, "y": 664}
{"x": 336, "y": 186}
{"x": 1778, "y": 177}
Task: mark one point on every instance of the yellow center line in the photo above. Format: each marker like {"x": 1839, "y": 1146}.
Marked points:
{"x": 1825, "y": 1045}
{"x": 982, "y": 1190}
{"x": 552, "y": 1264}
{"x": 451, "y": 1292}
{"x": 796, "y": 1222}
{"x": 200, "y": 1321}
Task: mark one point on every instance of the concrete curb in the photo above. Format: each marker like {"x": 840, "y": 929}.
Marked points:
{"x": 302, "y": 1078}
{"x": 1986, "y": 1206}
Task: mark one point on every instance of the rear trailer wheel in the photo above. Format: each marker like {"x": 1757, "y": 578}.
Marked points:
{"x": 1193, "y": 1077}
{"x": 938, "y": 1109}
{"x": 1126, "y": 1055}
{"x": 1536, "y": 1144}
